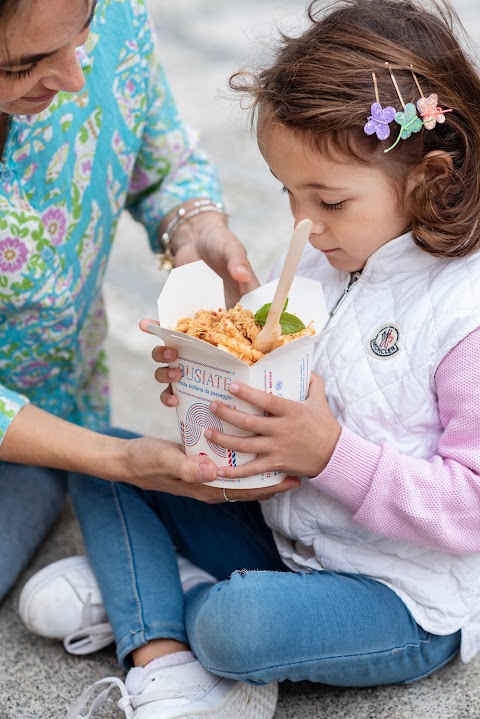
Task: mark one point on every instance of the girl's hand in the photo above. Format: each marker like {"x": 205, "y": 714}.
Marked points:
{"x": 164, "y": 375}
{"x": 297, "y": 438}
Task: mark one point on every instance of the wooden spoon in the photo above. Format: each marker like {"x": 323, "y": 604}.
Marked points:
{"x": 268, "y": 336}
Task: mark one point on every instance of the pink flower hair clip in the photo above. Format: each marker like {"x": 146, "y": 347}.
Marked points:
{"x": 428, "y": 107}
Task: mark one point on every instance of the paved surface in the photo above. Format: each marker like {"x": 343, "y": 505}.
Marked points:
{"x": 202, "y": 42}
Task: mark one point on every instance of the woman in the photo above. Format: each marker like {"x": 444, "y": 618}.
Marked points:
{"x": 88, "y": 127}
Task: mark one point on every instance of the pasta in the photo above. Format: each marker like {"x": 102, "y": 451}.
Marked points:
{"x": 232, "y": 330}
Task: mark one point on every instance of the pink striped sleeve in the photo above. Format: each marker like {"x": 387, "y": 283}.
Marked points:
{"x": 436, "y": 501}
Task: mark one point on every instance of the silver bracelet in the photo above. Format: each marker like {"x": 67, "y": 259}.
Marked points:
{"x": 181, "y": 216}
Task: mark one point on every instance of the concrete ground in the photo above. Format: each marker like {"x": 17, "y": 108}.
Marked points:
{"x": 201, "y": 42}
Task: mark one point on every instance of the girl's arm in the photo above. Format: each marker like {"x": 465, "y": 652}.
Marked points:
{"x": 436, "y": 501}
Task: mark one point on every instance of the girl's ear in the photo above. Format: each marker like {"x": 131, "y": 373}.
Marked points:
{"x": 434, "y": 170}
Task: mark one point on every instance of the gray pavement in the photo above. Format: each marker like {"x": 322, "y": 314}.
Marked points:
{"x": 201, "y": 42}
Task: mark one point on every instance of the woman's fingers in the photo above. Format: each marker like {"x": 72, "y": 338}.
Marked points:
{"x": 262, "y": 493}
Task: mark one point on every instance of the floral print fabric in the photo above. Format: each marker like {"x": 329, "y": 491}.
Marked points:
{"x": 65, "y": 177}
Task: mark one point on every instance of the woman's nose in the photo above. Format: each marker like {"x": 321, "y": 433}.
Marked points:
{"x": 65, "y": 73}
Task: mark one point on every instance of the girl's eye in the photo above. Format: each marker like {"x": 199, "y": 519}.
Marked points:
{"x": 18, "y": 74}
{"x": 333, "y": 206}
{"x": 284, "y": 189}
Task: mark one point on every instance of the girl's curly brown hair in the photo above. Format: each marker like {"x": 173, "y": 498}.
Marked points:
{"x": 320, "y": 85}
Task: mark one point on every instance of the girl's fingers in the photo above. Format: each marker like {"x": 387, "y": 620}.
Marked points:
{"x": 164, "y": 354}
{"x": 253, "y": 423}
{"x": 264, "y": 401}
{"x": 249, "y": 469}
{"x": 166, "y": 375}
{"x": 143, "y": 324}
{"x": 168, "y": 398}
{"x": 247, "y": 445}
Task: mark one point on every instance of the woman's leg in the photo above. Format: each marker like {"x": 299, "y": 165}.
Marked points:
{"x": 30, "y": 500}
{"x": 132, "y": 538}
{"x": 326, "y": 627}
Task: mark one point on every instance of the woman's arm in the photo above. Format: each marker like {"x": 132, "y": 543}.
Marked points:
{"x": 40, "y": 439}
{"x": 435, "y": 501}
{"x": 172, "y": 171}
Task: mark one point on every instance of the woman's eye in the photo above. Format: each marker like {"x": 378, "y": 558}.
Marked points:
{"x": 284, "y": 189}
{"x": 18, "y": 74}
{"x": 333, "y": 206}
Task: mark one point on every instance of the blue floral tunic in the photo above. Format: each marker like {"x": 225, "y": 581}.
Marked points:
{"x": 65, "y": 177}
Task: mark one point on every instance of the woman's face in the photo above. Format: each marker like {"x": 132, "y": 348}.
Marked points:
{"x": 37, "y": 53}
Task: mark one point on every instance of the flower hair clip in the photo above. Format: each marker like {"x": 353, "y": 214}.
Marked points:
{"x": 411, "y": 119}
{"x": 408, "y": 119}
{"x": 380, "y": 118}
{"x": 428, "y": 108}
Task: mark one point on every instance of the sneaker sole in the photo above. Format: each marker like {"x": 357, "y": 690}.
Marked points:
{"x": 246, "y": 702}
{"x": 45, "y": 575}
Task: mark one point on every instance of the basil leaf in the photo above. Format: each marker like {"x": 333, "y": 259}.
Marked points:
{"x": 288, "y": 322}
{"x": 261, "y": 315}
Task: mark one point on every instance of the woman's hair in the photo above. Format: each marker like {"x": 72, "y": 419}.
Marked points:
{"x": 7, "y": 7}
{"x": 321, "y": 86}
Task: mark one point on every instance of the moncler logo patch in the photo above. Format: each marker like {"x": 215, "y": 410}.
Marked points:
{"x": 385, "y": 344}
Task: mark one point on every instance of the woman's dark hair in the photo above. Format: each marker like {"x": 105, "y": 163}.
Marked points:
{"x": 7, "y": 7}
{"x": 321, "y": 86}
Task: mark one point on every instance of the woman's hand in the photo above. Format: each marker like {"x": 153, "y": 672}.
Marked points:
{"x": 297, "y": 438}
{"x": 206, "y": 237}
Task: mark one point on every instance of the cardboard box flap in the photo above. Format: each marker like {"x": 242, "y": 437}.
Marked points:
{"x": 195, "y": 286}
{"x": 187, "y": 289}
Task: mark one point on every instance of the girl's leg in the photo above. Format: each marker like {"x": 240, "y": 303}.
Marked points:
{"x": 326, "y": 627}
{"x": 30, "y": 500}
{"x": 132, "y": 538}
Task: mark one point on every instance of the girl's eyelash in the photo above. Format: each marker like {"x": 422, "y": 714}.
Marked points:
{"x": 333, "y": 206}
{"x": 326, "y": 205}
{"x": 18, "y": 74}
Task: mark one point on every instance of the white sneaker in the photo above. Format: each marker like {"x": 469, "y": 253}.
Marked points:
{"x": 63, "y": 601}
{"x": 186, "y": 691}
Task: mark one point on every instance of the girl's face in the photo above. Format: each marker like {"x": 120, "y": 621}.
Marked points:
{"x": 353, "y": 207}
{"x": 37, "y": 53}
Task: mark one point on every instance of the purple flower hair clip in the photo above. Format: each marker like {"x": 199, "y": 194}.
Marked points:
{"x": 379, "y": 121}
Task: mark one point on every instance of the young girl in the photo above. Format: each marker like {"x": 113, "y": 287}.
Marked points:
{"x": 350, "y": 124}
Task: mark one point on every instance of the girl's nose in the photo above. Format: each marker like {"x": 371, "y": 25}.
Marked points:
{"x": 65, "y": 73}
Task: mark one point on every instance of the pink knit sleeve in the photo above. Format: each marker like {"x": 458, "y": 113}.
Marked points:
{"x": 433, "y": 501}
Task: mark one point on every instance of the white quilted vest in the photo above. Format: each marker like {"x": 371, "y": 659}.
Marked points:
{"x": 378, "y": 357}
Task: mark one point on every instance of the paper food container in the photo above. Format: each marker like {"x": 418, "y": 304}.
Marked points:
{"x": 207, "y": 371}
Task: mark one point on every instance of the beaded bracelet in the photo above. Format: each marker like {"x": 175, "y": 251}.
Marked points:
{"x": 166, "y": 257}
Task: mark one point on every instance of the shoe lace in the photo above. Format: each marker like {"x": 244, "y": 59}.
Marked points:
{"x": 127, "y": 703}
{"x": 90, "y": 637}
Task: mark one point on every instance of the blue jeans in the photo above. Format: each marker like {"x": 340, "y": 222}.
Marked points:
{"x": 30, "y": 500}
{"x": 264, "y": 623}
